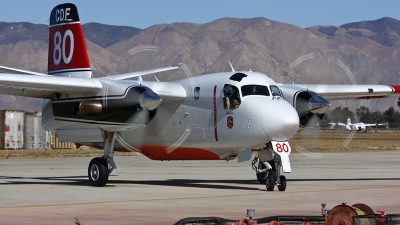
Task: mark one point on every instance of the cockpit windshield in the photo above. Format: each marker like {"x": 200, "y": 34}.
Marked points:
{"x": 275, "y": 91}
{"x": 254, "y": 90}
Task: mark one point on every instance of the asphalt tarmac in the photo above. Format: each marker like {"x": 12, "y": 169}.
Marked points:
{"x": 141, "y": 191}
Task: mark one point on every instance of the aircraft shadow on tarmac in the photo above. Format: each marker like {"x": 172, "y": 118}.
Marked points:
{"x": 212, "y": 184}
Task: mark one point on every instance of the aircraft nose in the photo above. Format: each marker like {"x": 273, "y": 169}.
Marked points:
{"x": 280, "y": 120}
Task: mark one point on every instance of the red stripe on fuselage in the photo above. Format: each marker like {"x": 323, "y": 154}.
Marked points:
{"x": 160, "y": 152}
{"x": 181, "y": 153}
{"x": 215, "y": 113}
{"x": 396, "y": 88}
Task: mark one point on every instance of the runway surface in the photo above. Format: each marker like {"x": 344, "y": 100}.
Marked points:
{"x": 141, "y": 191}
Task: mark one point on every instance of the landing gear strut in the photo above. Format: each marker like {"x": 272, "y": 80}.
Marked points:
{"x": 100, "y": 168}
{"x": 268, "y": 166}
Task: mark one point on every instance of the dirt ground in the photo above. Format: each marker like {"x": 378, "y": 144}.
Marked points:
{"x": 305, "y": 140}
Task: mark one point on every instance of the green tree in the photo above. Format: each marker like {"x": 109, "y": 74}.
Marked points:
{"x": 338, "y": 114}
{"x": 364, "y": 115}
{"x": 392, "y": 117}
{"x": 377, "y": 117}
{"x": 398, "y": 102}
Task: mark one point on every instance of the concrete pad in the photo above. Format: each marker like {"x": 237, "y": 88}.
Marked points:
{"x": 141, "y": 191}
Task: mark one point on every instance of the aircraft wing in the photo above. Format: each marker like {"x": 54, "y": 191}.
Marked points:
{"x": 347, "y": 92}
{"x": 46, "y": 86}
{"x": 31, "y": 84}
{"x": 375, "y": 124}
{"x": 337, "y": 124}
{"x": 142, "y": 73}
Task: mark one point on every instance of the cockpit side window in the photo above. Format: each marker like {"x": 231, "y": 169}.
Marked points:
{"x": 254, "y": 90}
{"x": 275, "y": 91}
{"x": 231, "y": 97}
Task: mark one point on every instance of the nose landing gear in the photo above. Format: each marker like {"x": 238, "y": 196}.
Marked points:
{"x": 268, "y": 169}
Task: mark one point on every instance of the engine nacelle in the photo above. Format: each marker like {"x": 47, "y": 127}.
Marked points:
{"x": 124, "y": 104}
{"x": 309, "y": 105}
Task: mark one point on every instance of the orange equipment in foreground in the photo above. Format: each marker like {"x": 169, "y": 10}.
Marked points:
{"x": 357, "y": 214}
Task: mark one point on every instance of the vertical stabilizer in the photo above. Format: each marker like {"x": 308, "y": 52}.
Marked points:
{"x": 67, "y": 51}
{"x": 348, "y": 121}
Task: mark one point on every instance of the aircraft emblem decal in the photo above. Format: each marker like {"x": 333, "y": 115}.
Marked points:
{"x": 229, "y": 122}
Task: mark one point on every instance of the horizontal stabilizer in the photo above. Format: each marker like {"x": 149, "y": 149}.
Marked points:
{"x": 4, "y": 69}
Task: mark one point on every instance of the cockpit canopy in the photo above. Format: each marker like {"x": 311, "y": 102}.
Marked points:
{"x": 254, "y": 85}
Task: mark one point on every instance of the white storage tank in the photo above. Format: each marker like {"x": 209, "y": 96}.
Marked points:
{"x": 36, "y": 138}
{"x": 11, "y": 129}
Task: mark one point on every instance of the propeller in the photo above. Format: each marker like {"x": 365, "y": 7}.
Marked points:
{"x": 142, "y": 100}
{"x": 311, "y": 106}
{"x": 153, "y": 104}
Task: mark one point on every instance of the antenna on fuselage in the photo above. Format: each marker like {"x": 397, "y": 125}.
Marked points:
{"x": 233, "y": 70}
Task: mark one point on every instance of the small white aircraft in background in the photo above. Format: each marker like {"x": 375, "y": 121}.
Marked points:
{"x": 357, "y": 126}
{"x": 220, "y": 116}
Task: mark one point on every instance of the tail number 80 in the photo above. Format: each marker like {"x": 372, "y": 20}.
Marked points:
{"x": 59, "y": 47}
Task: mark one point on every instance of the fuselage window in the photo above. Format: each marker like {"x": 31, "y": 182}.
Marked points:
{"x": 196, "y": 93}
{"x": 254, "y": 90}
{"x": 275, "y": 91}
{"x": 231, "y": 97}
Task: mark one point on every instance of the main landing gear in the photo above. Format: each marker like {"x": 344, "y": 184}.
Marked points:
{"x": 268, "y": 168}
{"x": 100, "y": 168}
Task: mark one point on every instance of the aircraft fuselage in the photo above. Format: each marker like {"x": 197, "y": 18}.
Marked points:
{"x": 217, "y": 113}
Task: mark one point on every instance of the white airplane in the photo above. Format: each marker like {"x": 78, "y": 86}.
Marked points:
{"x": 357, "y": 126}
{"x": 220, "y": 116}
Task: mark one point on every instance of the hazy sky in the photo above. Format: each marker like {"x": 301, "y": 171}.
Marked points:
{"x": 144, "y": 13}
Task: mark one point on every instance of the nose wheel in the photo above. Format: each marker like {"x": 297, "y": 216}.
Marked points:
{"x": 268, "y": 168}
{"x": 281, "y": 183}
{"x": 270, "y": 182}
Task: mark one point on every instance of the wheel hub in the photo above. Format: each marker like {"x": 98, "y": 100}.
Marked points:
{"x": 94, "y": 172}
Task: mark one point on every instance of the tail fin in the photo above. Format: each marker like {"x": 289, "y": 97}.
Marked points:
{"x": 348, "y": 121}
{"x": 67, "y": 51}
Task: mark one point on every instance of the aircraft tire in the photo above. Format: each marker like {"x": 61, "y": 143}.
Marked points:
{"x": 262, "y": 177}
{"x": 282, "y": 186}
{"x": 98, "y": 172}
{"x": 270, "y": 182}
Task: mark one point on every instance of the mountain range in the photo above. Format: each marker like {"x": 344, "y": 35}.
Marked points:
{"x": 366, "y": 52}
